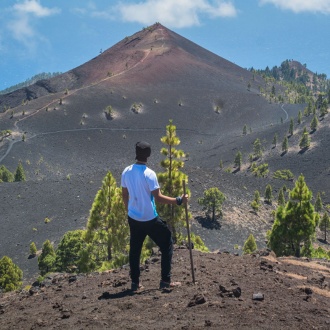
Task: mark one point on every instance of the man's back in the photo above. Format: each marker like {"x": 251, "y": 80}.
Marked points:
{"x": 140, "y": 182}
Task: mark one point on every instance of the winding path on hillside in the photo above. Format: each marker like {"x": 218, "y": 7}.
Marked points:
{"x": 76, "y": 130}
{"x": 287, "y": 116}
{"x": 52, "y": 103}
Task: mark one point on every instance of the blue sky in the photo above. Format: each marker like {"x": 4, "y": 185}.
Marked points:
{"x": 50, "y": 36}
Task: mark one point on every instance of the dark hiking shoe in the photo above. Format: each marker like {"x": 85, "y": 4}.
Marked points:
{"x": 168, "y": 285}
{"x": 136, "y": 287}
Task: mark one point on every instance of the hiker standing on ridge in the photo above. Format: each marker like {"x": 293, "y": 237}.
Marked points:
{"x": 140, "y": 190}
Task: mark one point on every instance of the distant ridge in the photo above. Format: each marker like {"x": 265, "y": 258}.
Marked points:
{"x": 30, "y": 81}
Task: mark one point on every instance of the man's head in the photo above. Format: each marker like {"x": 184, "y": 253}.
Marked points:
{"x": 142, "y": 151}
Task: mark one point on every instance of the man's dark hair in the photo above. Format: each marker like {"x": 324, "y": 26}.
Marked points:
{"x": 142, "y": 151}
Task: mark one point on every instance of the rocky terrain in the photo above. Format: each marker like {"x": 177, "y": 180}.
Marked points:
{"x": 230, "y": 292}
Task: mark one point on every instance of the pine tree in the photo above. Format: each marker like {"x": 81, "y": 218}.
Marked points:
{"x": 5, "y": 174}
{"x": 324, "y": 108}
{"x": 107, "y": 226}
{"x": 309, "y": 108}
{"x": 245, "y": 130}
{"x": 285, "y": 144}
{"x": 221, "y": 164}
{"x": 238, "y": 160}
{"x": 275, "y": 140}
{"x": 306, "y": 114}
{"x": 46, "y": 260}
{"x": 314, "y": 123}
{"x": 305, "y": 140}
{"x": 257, "y": 148}
{"x": 291, "y": 127}
{"x": 19, "y": 174}
{"x": 212, "y": 202}
{"x": 268, "y": 194}
{"x": 171, "y": 180}
{"x": 273, "y": 90}
{"x": 299, "y": 117}
{"x": 281, "y": 198}
{"x": 10, "y": 275}
{"x": 318, "y": 203}
{"x": 325, "y": 225}
{"x": 295, "y": 223}
{"x": 250, "y": 245}
{"x": 69, "y": 251}
{"x": 255, "y": 203}
{"x": 33, "y": 249}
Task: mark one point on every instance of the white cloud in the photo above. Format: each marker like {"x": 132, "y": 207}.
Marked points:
{"x": 21, "y": 28}
{"x": 34, "y": 7}
{"x": 297, "y": 6}
{"x": 91, "y": 10}
{"x": 175, "y": 13}
{"x": 22, "y": 20}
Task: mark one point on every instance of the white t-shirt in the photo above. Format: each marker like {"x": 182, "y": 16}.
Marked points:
{"x": 140, "y": 181}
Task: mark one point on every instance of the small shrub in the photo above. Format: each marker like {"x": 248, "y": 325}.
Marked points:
{"x": 33, "y": 249}
{"x": 261, "y": 170}
{"x": 109, "y": 113}
{"x": 255, "y": 206}
{"x": 250, "y": 245}
{"x": 283, "y": 175}
{"x": 40, "y": 278}
{"x": 217, "y": 109}
{"x": 320, "y": 253}
{"x": 136, "y": 108}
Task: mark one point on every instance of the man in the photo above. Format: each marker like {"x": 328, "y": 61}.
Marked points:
{"x": 140, "y": 190}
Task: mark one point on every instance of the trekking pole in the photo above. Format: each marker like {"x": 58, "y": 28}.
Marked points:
{"x": 188, "y": 230}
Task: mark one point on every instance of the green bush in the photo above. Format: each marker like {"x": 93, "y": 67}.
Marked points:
{"x": 198, "y": 243}
{"x": 109, "y": 112}
{"x": 250, "y": 245}
{"x": 261, "y": 170}
{"x": 10, "y": 275}
{"x": 33, "y": 249}
{"x": 320, "y": 253}
{"x": 46, "y": 260}
{"x": 136, "y": 108}
{"x": 283, "y": 175}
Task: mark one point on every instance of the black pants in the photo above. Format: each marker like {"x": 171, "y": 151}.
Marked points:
{"x": 159, "y": 232}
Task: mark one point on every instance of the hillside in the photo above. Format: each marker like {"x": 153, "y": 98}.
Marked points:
{"x": 148, "y": 78}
